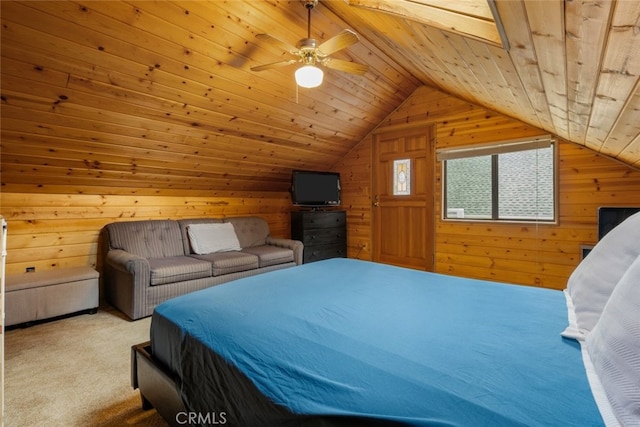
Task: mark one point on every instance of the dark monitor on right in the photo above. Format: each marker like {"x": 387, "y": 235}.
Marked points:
{"x": 610, "y": 217}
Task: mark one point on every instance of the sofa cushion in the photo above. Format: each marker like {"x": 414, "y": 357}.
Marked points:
{"x": 229, "y": 262}
{"x": 270, "y": 255}
{"x": 177, "y": 269}
{"x": 251, "y": 230}
{"x": 210, "y": 238}
{"x": 147, "y": 239}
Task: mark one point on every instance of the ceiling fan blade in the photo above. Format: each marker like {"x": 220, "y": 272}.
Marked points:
{"x": 344, "y": 39}
{"x": 274, "y": 65}
{"x": 346, "y": 66}
{"x": 279, "y": 43}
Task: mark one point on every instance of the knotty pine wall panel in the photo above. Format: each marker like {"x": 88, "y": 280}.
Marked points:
{"x": 50, "y": 231}
{"x": 541, "y": 254}
{"x": 355, "y": 178}
{"x": 535, "y": 254}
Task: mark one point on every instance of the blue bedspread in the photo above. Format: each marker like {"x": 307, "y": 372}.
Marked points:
{"x": 352, "y": 337}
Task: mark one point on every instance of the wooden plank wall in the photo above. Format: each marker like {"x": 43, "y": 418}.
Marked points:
{"x": 524, "y": 253}
{"x": 49, "y": 231}
{"x": 61, "y": 230}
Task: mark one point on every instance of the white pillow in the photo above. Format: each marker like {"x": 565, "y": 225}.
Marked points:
{"x": 592, "y": 282}
{"x": 210, "y": 238}
{"x": 614, "y": 348}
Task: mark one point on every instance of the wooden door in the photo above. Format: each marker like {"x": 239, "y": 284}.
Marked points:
{"x": 403, "y": 224}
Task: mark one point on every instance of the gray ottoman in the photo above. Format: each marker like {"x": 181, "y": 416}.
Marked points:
{"x": 46, "y": 294}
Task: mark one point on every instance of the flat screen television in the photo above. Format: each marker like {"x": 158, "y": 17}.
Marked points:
{"x": 315, "y": 189}
{"x": 609, "y": 217}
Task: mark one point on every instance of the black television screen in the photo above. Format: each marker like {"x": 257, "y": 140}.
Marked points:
{"x": 609, "y": 217}
{"x": 310, "y": 188}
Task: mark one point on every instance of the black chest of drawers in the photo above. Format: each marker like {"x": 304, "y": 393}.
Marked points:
{"x": 324, "y": 233}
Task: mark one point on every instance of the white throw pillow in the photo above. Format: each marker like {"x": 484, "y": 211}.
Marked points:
{"x": 210, "y": 238}
{"x": 592, "y": 282}
{"x": 614, "y": 348}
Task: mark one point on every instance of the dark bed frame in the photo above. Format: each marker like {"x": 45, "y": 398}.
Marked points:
{"x": 157, "y": 384}
{"x": 159, "y": 389}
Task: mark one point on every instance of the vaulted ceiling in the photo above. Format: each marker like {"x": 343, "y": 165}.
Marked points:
{"x": 122, "y": 94}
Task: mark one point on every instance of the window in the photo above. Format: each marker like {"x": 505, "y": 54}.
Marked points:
{"x": 512, "y": 181}
{"x": 402, "y": 177}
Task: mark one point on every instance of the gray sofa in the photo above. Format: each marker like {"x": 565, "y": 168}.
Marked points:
{"x": 148, "y": 262}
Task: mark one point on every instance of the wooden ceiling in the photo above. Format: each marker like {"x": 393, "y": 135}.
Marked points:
{"x": 159, "y": 95}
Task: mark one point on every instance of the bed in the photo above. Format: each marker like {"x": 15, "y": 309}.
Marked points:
{"x": 349, "y": 342}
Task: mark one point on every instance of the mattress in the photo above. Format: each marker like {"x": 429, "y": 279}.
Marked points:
{"x": 362, "y": 340}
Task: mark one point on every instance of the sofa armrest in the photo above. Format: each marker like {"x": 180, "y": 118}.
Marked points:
{"x": 127, "y": 277}
{"x": 295, "y": 245}
{"x": 127, "y": 262}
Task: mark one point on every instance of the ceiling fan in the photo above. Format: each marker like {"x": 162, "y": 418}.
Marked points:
{"x": 310, "y": 54}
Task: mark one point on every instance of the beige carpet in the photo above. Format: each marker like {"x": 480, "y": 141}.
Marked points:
{"x": 75, "y": 372}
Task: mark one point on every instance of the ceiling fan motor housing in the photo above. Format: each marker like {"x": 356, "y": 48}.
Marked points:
{"x": 308, "y": 52}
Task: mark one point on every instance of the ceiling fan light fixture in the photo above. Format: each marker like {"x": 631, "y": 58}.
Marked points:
{"x": 309, "y": 76}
